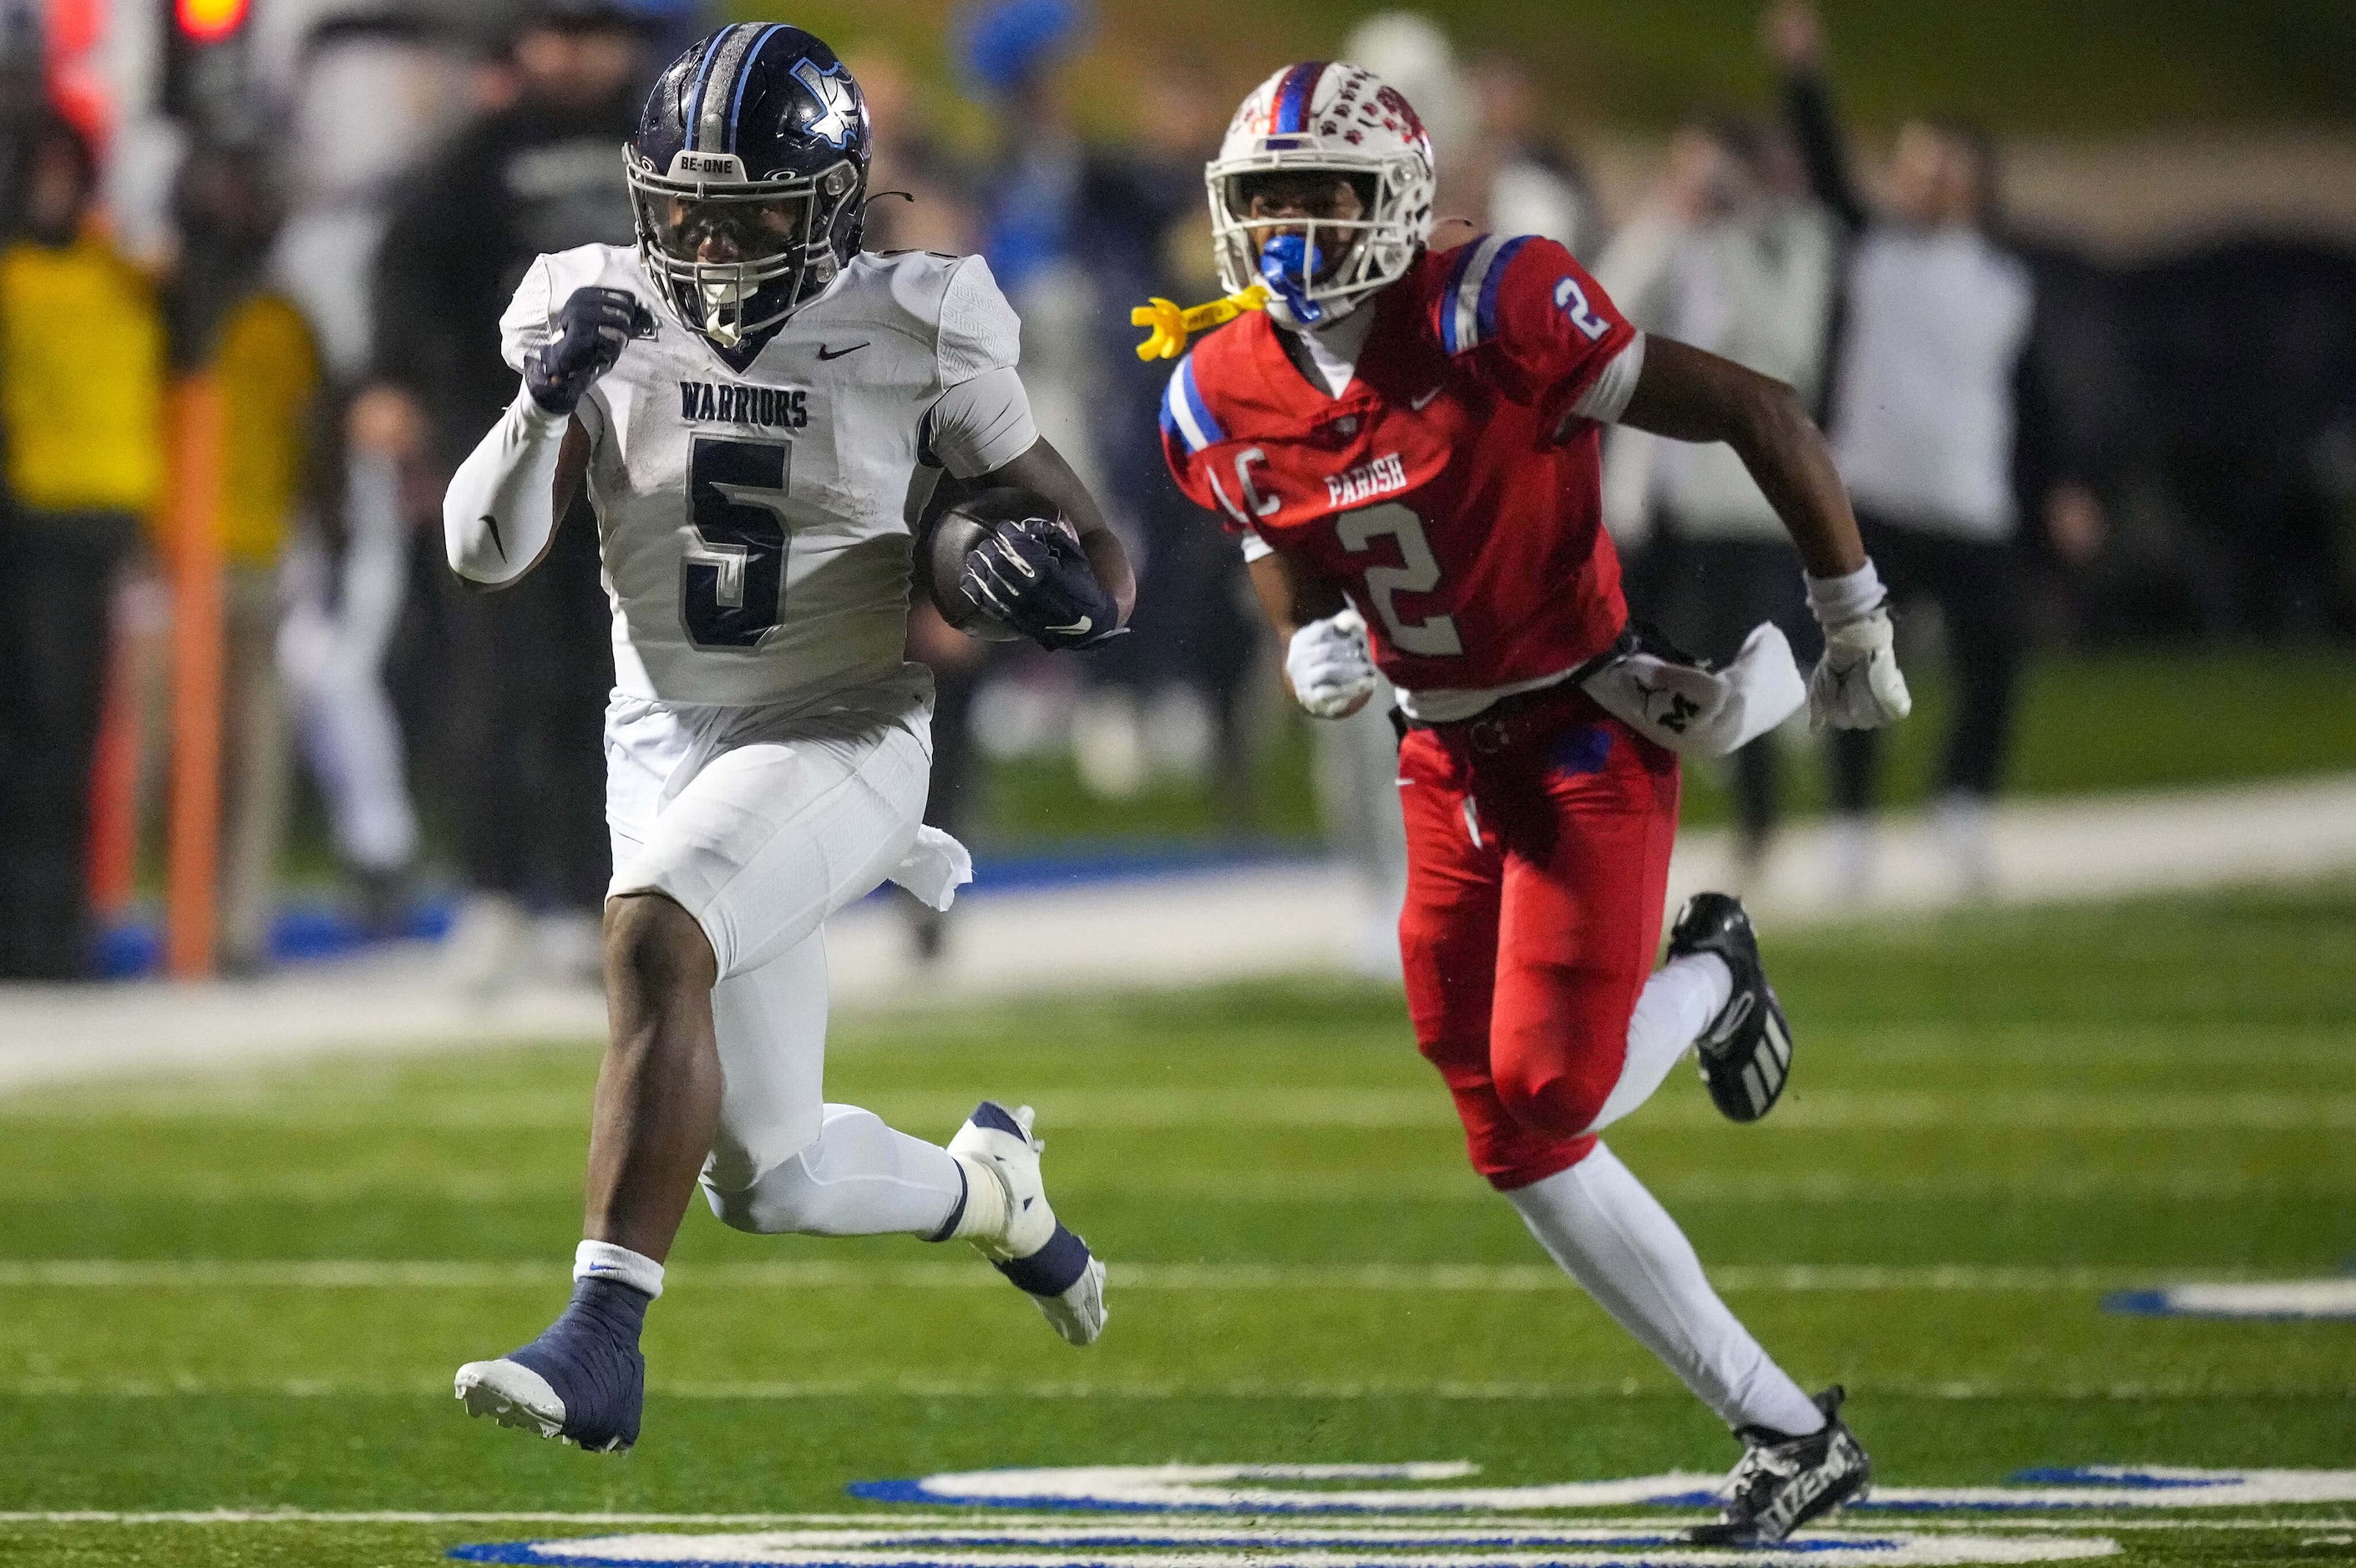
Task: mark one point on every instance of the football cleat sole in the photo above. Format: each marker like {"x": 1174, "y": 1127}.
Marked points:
{"x": 1745, "y": 1052}
{"x": 512, "y": 1394}
{"x": 1747, "y": 1065}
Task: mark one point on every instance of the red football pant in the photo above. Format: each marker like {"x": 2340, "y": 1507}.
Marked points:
{"x": 1537, "y": 873}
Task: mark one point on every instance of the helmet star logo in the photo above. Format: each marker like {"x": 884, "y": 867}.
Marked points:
{"x": 833, "y": 124}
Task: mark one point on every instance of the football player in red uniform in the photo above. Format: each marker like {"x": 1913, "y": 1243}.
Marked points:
{"x": 1406, "y": 441}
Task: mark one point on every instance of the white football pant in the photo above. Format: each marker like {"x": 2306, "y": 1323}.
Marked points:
{"x": 760, "y": 824}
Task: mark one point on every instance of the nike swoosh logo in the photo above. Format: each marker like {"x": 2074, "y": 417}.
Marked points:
{"x": 492, "y": 523}
{"x": 1418, "y": 404}
{"x": 605, "y": 1268}
{"x": 1078, "y": 628}
{"x": 826, "y": 353}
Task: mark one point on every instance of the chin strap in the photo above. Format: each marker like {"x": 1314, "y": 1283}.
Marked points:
{"x": 1169, "y": 325}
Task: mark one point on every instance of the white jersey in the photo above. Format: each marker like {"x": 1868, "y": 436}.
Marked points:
{"x": 1924, "y": 429}
{"x": 755, "y": 525}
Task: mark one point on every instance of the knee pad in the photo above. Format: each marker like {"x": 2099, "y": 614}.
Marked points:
{"x": 1502, "y": 1147}
{"x": 782, "y": 1201}
{"x": 734, "y": 1207}
{"x": 1556, "y": 1051}
{"x": 1551, "y": 1099}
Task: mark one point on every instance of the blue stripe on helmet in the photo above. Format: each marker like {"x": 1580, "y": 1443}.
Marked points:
{"x": 1484, "y": 313}
{"x": 1448, "y": 296}
{"x": 1292, "y": 99}
{"x": 743, "y": 78}
{"x": 704, "y": 75}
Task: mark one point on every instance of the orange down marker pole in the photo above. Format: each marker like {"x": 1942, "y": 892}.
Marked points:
{"x": 193, "y": 517}
{"x": 115, "y": 778}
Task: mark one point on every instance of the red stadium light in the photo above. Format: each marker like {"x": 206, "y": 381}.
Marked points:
{"x": 209, "y": 21}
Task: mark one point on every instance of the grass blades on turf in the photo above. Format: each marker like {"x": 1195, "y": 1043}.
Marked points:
{"x": 1995, "y": 1119}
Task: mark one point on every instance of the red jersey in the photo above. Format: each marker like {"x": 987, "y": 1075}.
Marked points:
{"x": 1452, "y": 490}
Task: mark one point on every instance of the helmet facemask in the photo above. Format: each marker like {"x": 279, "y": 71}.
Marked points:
{"x": 1344, "y": 258}
{"x": 737, "y": 256}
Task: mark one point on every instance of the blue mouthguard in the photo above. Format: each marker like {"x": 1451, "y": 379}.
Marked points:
{"x": 1287, "y": 262}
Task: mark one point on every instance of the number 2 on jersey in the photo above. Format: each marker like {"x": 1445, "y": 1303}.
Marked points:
{"x": 1418, "y": 572}
{"x": 732, "y": 580}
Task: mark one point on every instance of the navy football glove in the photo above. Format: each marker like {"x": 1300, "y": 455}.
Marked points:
{"x": 1033, "y": 575}
{"x": 591, "y": 329}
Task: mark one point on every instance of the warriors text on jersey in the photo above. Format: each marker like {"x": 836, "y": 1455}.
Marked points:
{"x": 755, "y": 522}
{"x": 1452, "y": 489}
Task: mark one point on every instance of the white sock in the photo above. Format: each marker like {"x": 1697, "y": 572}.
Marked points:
{"x": 1609, "y": 1234}
{"x": 857, "y": 1178}
{"x": 603, "y": 1260}
{"x": 1675, "y": 1007}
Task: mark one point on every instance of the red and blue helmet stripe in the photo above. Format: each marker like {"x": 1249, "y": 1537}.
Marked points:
{"x": 1289, "y": 115}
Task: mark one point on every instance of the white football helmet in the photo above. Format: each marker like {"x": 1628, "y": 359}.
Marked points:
{"x": 1323, "y": 117}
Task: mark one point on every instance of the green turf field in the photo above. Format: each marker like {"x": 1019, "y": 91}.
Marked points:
{"x": 250, "y": 1293}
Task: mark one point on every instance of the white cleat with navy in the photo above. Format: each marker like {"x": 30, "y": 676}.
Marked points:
{"x": 1006, "y": 1216}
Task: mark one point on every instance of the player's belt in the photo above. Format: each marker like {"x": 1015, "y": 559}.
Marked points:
{"x": 1513, "y": 720}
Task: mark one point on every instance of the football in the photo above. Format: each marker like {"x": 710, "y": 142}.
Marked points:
{"x": 946, "y": 538}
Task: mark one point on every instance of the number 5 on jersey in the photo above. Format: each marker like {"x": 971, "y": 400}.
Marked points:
{"x": 733, "y": 580}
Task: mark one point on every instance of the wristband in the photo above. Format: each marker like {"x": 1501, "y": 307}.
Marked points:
{"x": 1838, "y": 600}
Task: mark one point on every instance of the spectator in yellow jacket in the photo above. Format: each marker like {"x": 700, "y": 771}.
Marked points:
{"x": 81, "y": 386}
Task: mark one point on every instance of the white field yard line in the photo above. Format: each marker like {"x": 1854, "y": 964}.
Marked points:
{"x": 1803, "y": 1110}
{"x": 1454, "y": 1183}
{"x": 2072, "y": 1519}
{"x": 1336, "y": 1391}
{"x": 115, "y": 1274}
{"x": 415, "y": 1516}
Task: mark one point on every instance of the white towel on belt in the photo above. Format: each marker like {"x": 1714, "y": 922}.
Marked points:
{"x": 935, "y": 868}
{"x": 1698, "y": 712}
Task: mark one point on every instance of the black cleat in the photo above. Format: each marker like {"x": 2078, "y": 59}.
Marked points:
{"x": 1746, "y": 1052}
{"x": 1782, "y": 1482}
{"x": 583, "y": 1379}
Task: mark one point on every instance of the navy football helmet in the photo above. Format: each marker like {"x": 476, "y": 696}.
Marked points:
{"x": 749, "y": 177}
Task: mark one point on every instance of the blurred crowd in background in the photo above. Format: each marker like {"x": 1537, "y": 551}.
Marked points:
{"x": 319, "y": 211}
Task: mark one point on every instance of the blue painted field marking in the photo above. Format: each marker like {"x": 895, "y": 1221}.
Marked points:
{"x": 2259, "y": 1301}
{"x": 1407, "y": 1524}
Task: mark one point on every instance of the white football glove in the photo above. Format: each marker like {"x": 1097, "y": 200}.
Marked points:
{"x": 1856, "y": 684}
{"x": 1330, "y": 666}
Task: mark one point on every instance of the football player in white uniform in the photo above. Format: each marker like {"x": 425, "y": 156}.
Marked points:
{"x": 762, "y": 413}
